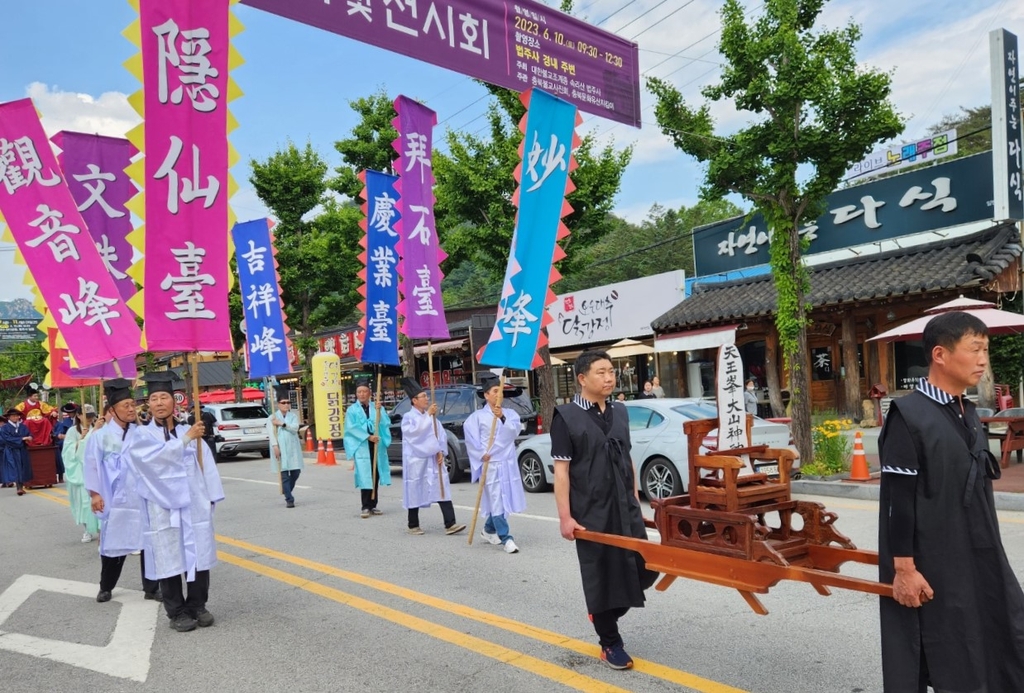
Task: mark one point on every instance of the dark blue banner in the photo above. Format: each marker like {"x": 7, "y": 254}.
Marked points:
{"x": 380, "y": 343}
{"x": 261, "y": 299}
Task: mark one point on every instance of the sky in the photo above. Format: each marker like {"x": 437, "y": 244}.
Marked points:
{"x": 67, "y": 56}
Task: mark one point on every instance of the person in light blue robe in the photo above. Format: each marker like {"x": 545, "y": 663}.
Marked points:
{"x": 73, "y": 453}
{"x": 179, "y": 495}
{"x": 15, "y": 468}
{"x": 285, "y": 446}
{"x": 113, "y": 491}
{"x": 364, "y": 444}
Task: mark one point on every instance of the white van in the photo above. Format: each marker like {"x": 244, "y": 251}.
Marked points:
{"x": 241, "y": 427}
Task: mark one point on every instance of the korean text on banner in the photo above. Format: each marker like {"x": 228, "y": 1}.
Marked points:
{"x": 548, "y": 142}
{"x": 421, "y": 308}
{"x": 1007, "y": 153}
{"x": 94, "y": 167}
{"x": 516, "y": 45}
{"x": 261, "y": 299}
{"x": 327, "y": 399}
{"x": 380, "y": 271}
{"x": 53, "y": 240}
{"x": 186, "y": 55}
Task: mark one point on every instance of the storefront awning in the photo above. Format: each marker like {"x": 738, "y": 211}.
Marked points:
{"x": 696, "y": 339}
{"x": 438, "y": 347}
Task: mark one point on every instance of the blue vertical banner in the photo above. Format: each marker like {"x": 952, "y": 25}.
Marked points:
{"x": 265, "y": 331}
{"x": 549, "y": 139}
{"x": 380, "y": 269}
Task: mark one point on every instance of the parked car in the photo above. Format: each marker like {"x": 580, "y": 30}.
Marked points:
{"x": 240, "y": 427}
{"x": 455, "y": 403}
{"x": 659, "y": 445}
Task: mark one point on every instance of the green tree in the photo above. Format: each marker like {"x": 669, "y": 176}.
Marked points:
{"x": 369, "y": 147}
{"x": 21, "y": 358}
{"x": 816, "y": 111}
{"x": 316, "y": 238}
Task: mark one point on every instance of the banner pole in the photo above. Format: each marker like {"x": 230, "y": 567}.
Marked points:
{"x": 430, "y": 372}
{"x": 194, "y": 370}
{"x": 376, "y": 430}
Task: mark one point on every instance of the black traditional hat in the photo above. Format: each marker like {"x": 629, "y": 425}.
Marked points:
{"x": 70, "y": 408}
{"x": 161, "y": 381}
{"x": 117, "y": 390}
{"x": 486, "y": 381}
{"x": 13, "y": 412}
{"x": 363, "y": 382}
{"x": 282, "y": 393}
{"x": 411, "y": 387}
{"x": 32, "y": 388}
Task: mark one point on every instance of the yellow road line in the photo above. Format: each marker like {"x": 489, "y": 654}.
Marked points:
{"x": 552, "y": 672}
{"x": 660, "y": 671}
{"x": 47, "y": 496}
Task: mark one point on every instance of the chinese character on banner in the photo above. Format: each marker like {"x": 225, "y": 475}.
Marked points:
{"x": 420, "y": 255}
{"x": 550, "y": 134}
{"x": 94, "y": 166}
{"x": 185, "y": 63}
{"x": 732, "y": 416}
{"x": 65, "y": 265}
{"x": 380, "y": 309}
{"x": 261, "y": 300}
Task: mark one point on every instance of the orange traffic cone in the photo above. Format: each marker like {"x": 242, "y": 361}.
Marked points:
{"x": 309, "y": 440}
{"x": 321, "y": 455}
{"x": 330, "y": 462}
{"x": 859, "y": 466}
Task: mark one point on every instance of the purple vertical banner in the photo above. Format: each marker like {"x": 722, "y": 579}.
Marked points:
{"x": 94, "y": 166}
{"x": 419, "y": 268}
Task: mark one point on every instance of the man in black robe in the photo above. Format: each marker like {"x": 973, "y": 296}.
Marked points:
{"x": 956, "y": 619}
{"x": 595, "y": 489}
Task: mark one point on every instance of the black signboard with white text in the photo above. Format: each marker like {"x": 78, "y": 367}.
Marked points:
{"x": 1008, "y": 170}
{"x": 19, "y": 330}
{"x": 947, "y": 194}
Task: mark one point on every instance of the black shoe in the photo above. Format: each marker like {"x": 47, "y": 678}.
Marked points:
{"x": 103, "y": 596}
{"x": 154, "y": 596}
{"x": 289, "y": 504}
{"x": 183, "y": 623}
{"x": 204, "y": 618}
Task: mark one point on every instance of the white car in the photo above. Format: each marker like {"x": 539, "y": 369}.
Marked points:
{"x": 659, "y": 445}
{"x": 240, "y": 427}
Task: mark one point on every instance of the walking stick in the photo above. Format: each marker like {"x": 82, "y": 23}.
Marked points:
{"x": 197, "y": 413}
{"x": 430, "y": 371}
{"x": 376, "y": 448}
{"x": 483, "y": 473}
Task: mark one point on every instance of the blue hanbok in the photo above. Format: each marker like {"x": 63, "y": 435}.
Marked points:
{"x": 108, "y": 473}
{"x": 15, "y": 467}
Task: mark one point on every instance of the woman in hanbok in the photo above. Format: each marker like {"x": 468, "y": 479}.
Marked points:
{"x": 74, "y": 474}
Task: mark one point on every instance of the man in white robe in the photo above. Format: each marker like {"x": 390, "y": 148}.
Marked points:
{"x": 285, "y": 446}
{"x": 424, "y": 444}
{"x": 366, "y": 446}
{"x": 179, "y": 499}
{"x": 113, "y": 491}
{"x": 490, "y": 434}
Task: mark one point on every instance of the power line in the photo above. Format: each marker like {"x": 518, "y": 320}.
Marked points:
{"x": 681, "y": 7}
{"x": 614, "y": 13}
{"x": 639, "y": 16}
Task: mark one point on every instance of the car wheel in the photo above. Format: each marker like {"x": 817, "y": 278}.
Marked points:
{"x": 265, "y": 454}
{"x": 451, "y": 465}
{"x": 660, "y": 479}
{"x": 531, "y": 470}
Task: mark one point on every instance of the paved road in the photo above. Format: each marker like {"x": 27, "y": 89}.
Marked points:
{"x": 317, "y": 599}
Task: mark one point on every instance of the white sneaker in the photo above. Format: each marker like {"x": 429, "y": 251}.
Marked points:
{"x": 86, "y": 538}
{"x": 490, "y": 538}
{"x": 510, "y": 547}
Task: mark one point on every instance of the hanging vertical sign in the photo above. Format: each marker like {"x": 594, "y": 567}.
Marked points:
{"x": 549, "y": 139}
{"x": 94, "y": 167}
{"x": 380, "y": 273}
{"x": 732, "y": 416}
{"x": 1007, "y": 165}
{"x": 54, "y": 243}
{"x": 185, "y": 59}
{"x": 259, "y": 286}
{"x": 421, "y": 307}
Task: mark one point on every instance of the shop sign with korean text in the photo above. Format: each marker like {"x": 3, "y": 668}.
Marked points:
{"x": 892, "y": 159}
{"x": 516, "y": 45}
{"x": 52, "y": 237}
{"x": 1008, "y": 168}
{"x": 947, "y": 194}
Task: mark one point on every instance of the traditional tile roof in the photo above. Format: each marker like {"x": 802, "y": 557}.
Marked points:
{"x": 950, "y": 264}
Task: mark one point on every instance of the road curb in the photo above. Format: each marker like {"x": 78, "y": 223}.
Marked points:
{"x": 840, "y": 489}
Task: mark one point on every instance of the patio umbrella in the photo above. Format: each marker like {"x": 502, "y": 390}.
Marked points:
{"x": 997, "y": 321}
{"x": 629, "y": 347}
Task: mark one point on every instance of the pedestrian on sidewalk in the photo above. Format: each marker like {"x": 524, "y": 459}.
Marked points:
{"x": 424, "y": 444}
{"x": 365, "y": 446}
{"x": 179, "y": 499}
{"x": 956, "y": 618}
{"x": 595, "y": 489}
{"x": 503, "y": 490}
{"x": 113, "y": 491}
{"x": 15, "y": 467}
{"x": 73, "y": 453}
{"x": 285, "y": 446}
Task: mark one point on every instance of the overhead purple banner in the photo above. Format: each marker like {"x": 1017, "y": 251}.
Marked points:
{"x": 516, "y": 45}
{"x": 94, "y": 167}
{"x": 420, "y": 254}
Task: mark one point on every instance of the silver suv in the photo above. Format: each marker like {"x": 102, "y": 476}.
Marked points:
{"x": 240, "y": 427}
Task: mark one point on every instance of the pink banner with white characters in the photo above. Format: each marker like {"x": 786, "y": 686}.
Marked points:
{"x": 55, "y": 243}
{"x": 185, "y": 62}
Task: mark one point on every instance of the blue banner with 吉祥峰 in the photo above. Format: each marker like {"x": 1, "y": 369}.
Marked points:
{"x": 261, "y": 299}
{"x": 380, "y": 343}
{"x": 549, "y": 139}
